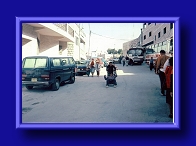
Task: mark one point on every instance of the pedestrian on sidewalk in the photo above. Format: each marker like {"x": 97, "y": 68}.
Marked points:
{"x": 169, "y": 84}
{"x": 97, "y": 67}
{"x": 151, "y": 63}
{"x": 92, "y": 67}
{"x": 159, "y": 70}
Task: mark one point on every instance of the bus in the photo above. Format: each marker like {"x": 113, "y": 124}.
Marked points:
{"x": 136, "y": 55}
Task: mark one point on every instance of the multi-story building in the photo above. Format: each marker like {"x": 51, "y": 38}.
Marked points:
{"x": 53, "y": 39}
{"x": 158, "y": 36}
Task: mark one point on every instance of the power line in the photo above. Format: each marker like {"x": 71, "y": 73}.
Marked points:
{"x": 109, "y": 37}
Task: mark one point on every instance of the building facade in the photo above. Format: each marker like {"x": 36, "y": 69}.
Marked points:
{"x": 158, "y": 36}
{"x": 52, "y": 39}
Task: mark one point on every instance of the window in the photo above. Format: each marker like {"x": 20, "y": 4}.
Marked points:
{"x": 150, "y": 33}
{"x": 71, "y": 60}
{"x": 38, "y": 42}
{"x": 65, "y": 61}
{"x": 144, "y": 37}
{"x": 165, "y": 43}
{"x": 144, "y": 26}
{"x": 56, "y": 62}
{"x": 35, "y": 63}
{"x": 155, "y": 24}
{"x": 164, "y": 30}
{"x": 171, "y": 25}
{"x": 60, "y": 50}
{"x": 159, "y": 34}
{"x": 171, "y": 42}
{"x": 155, "y": 38}
{"x": 60, "y": 47}
{"x": 77, "y": 41}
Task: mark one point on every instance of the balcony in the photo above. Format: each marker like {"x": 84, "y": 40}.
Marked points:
{"x": 63, "y": 26}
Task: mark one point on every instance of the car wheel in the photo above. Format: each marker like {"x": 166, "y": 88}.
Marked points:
{"x": 29, "y": 87}
{"x": 72, "y": 79}
{"x": 56, "y": 85}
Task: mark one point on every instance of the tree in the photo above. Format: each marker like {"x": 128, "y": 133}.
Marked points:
{"x": 110, "y": 51}
{"x": 119, "y": 51}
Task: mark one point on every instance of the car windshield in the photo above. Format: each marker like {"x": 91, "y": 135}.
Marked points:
{"x": 35, "y": 63}
{"x": 135, "y": 52}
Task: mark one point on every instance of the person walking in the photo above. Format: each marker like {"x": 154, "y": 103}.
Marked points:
{"x": 92, "y": 67}
{"x": 123, "y": 61}
{"x": 151, "y": 63}
{"x": 127, "y": 60}
{"x": 97, "y": 68}
{"x": 159, "y": 69}
{"x": 169, "y": 84}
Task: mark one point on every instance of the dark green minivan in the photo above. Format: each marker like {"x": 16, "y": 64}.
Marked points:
{"x": 47, "y": 71}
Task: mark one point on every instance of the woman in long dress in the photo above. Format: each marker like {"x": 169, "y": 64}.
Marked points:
{"x": 92, "y": 67}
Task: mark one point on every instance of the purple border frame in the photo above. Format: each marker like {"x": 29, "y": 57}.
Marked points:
{"x": 174, "y": 125}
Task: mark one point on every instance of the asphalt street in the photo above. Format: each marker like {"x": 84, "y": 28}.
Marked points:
{"x": 136, "y": 99}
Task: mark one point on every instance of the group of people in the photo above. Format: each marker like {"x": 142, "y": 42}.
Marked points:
{"x": 164, "y": 68}
{"x": 111, "y": 71}
{"x": 95, "y": 65}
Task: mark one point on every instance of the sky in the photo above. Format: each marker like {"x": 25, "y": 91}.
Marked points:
{"x": 110, "y": 35}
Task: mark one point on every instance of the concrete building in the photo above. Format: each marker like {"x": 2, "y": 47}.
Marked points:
{"x": 158, "y": 36}
{"x": 53, "y": 39}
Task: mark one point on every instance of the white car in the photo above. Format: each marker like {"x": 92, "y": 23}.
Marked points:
{"x": 115, "y": 59}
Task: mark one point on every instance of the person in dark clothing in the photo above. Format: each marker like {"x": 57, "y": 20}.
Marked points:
{"x": 111, "y": 79}
{"x": 159, "y": 69}
{"x": 123, "y": 60}
{"x": 151, "y": 63}
{"x": 127, "y": 60}
{"x": 110, "y": 68}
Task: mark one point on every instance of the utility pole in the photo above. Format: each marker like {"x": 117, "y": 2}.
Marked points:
{"x": 79, "y": 42}
{"x": 89, "y": 37}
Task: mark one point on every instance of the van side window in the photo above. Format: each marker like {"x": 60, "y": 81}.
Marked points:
{"x": 65, "y": 61}
{"x": 71, "y": 60}
{"x": 56, "y": 62}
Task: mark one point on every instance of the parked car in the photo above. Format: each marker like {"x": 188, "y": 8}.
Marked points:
{"x": 82, "y": 67}
{"x": 47, "y": 71}
{"x": 115, "y": 59}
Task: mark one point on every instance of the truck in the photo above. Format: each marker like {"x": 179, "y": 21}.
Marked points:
{"x": 136, "y": 55}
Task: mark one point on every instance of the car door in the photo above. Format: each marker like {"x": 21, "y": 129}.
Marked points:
{"x": 66, "y": 68}
{"x": 56, "y": 68}
{"x": 72, "y": 64}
